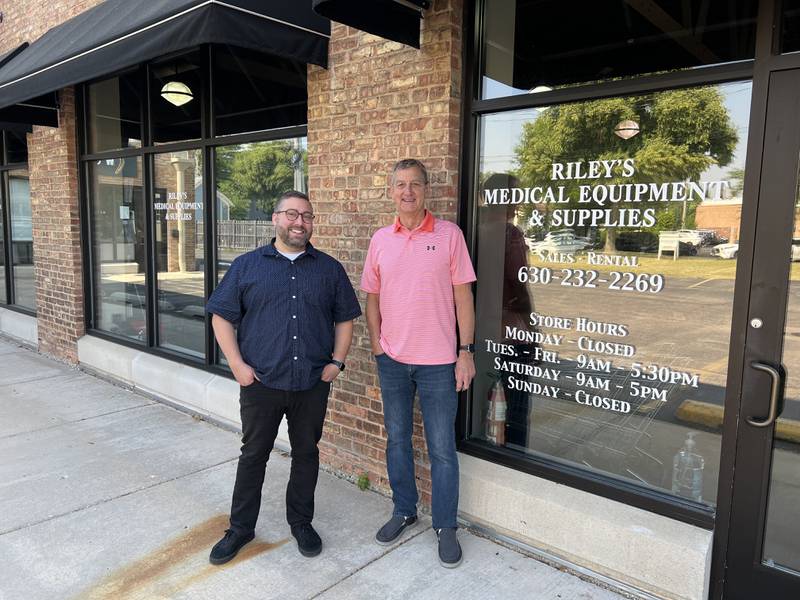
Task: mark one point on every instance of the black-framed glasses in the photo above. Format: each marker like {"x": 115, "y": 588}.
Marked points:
{"x": 292, "y": 214}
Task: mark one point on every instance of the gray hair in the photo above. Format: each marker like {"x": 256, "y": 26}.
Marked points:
{"x": 410, "y": 163}
{"x": 290, "y": 194}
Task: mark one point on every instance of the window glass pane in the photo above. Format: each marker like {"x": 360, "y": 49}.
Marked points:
{"x": 250, "y": 179}
{"x": 114, "y": 113}
{"x": 176, "y": 87}
{"x": 611, "y": 227}
{"x": 118, "y": 260}
{"x": 178, "y": 182}
{"x": 3, "y": 297}
{"x": 790, "y": 26}
{"x": 524, "y": 51}
{"x": 255, "y": 91}
{"x": 16, "y": 147}
{"x": 22, "y": 238}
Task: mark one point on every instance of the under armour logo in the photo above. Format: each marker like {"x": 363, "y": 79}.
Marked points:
{"x": 431, "y": 247}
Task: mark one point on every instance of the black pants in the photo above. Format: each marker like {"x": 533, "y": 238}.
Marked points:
{"x": 262, "y": 409}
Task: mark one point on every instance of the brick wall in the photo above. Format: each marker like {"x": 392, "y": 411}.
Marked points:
{"x": 54, "y": 190}
{"x": 378, "y": 102}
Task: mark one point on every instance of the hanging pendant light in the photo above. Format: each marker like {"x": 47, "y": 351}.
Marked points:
{"x": 626, "y": 129}
{"x": 177, "y": 93}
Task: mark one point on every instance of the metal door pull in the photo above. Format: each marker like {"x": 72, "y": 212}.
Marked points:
{"x": 778, "y": 376}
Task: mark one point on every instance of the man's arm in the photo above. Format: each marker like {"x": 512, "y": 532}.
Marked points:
{"x": 226, "y": 338}
{"x": 465, "y": 315}
{"x": 374, "y": 323}
{"x": 342, "y": 336}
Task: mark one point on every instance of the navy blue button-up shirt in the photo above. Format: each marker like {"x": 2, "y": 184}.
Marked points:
{"x": 285, "y": 312}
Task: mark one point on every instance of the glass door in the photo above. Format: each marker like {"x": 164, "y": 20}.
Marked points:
{"x": 763, "y": 558}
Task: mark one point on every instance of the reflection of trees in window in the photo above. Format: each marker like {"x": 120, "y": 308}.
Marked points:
{"x": 681, "y": 134}
{"x": 253, "y": 176}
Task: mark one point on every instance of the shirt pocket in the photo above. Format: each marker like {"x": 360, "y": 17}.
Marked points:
{"x": 319, "y": 293}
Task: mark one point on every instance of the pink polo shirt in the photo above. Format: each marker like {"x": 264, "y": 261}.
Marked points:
{"x": 414, "y": 272}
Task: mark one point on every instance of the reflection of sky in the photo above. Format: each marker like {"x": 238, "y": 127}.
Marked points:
{"x": 502, "y": 131}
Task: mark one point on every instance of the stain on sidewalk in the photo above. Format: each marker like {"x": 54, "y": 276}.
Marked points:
{"x": 173, "y": 567}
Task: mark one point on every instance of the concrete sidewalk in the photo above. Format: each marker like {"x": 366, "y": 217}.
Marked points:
{"x": 107, "y": 494}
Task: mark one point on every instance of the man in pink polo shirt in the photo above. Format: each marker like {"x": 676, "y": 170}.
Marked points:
{"x": 418, "y": 278}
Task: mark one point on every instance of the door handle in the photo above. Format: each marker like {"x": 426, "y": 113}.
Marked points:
{"x": 778, "y": 376}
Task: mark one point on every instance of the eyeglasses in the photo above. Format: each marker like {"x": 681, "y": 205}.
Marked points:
{"x": 292, "y": 215}
{"x": 414, "y": 185}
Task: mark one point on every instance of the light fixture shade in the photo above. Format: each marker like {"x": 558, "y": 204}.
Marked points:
{"x": 176, "y": 93}
{"x": 626, "y": 129}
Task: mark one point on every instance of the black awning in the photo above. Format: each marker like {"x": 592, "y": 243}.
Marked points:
{"x": 397, "y": 20}
{"x": 117, "y": 34}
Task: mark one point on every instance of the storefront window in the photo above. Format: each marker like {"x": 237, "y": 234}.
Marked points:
{"x": 114, "y": 113}
{"x": 16, "y": 147}
{"x": 250, "y": 179}
{"x": 611, "y": 227}
{"x": 176, "y": 93}
{"x": 21, "y": 238}
{"x": 3, "y": 297}
{"x": 254, "y": 92}
{"x": 156, "y": 293}
{"x": 790, "y": 26}
{"x": 117, "y": 210}
{"x": 179, "y": 241}
{"x": 524, "y": 49}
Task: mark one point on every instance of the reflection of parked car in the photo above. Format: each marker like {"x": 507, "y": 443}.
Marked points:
{"x": 560, "y": 241}
{"x": 691, "y": 236}
{"x": 710, "y": 237}
{"x": 636, "y": 241}
{"x": 725, "y": 250}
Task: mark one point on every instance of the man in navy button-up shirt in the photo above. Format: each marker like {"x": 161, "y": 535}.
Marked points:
{"x": 283, "y": 316}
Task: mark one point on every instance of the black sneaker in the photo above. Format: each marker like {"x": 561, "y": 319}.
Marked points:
{"x": 449, "y": 549}
{"x": 308, "y": 541}
{"x": 393, "y": 528}
{"x": 225, "y": 549}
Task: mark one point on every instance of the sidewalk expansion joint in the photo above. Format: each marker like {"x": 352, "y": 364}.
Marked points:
{"x": 65, "y": 423}
{"x": 405, "y": 540}
{"x": 123, "y": 495}
{"x": 41, "y": 378}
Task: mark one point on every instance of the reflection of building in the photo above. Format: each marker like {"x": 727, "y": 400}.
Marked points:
{"x": 722, "y": 217}
{"x": 139, "y": 215}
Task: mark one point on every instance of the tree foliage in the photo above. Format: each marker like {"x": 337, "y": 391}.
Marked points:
{"x": 257, "y": 174}
{"x": 681, "y": 134}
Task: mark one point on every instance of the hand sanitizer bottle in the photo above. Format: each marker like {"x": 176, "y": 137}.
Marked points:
{"x": 687, "y": 471}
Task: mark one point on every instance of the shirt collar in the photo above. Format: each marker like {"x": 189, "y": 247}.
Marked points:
{"x": 271, "y": 250}
{"x": 426, "y": 225}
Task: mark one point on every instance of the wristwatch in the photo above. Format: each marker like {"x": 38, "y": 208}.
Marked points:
{"x": 467, "y": 348}
{"x": 338, "y": 363}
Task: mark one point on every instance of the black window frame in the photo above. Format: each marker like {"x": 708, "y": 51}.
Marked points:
{"x": 655, "y": 501}
{"x": 8, "y": 255}
{"x": 207, "y": 144}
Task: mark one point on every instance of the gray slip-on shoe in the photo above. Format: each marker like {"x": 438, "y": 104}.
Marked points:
{"x": 450, "y": 554}
{"x": 393, "y": 528}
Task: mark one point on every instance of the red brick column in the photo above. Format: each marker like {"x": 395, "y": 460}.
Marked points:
{"x": 378, "y": 102}
{"x": 52, "y": 163}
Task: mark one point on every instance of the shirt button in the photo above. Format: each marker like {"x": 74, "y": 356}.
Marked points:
{"x": 292, "y": 276}
{"x": 294, "y": 296}
{"x": 294, "y": 316}
{"x": 294, "y": 337}
{"x": 295, "y": 358}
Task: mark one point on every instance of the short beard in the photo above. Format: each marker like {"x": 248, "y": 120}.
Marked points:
{"x": 283, "y": 234}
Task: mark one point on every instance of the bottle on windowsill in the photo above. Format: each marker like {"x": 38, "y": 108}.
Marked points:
{"x": 687, "y": 471}
{"x": 496, "y": 415}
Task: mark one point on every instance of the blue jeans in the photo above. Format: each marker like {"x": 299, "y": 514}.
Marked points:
{"x": 438, "y": 400}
